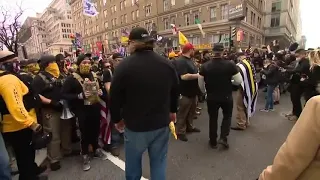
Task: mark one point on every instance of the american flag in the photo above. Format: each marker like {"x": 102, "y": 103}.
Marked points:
{"x": 105, "y": 124}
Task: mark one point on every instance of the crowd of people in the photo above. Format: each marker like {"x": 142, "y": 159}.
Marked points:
{"x": 45, "y": 103}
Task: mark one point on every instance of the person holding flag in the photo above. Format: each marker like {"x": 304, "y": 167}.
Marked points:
{"x": 247, "y": 93}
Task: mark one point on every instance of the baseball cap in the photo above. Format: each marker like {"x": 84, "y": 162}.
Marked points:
{"x": 187, "y": 47}
{"x": 140, "y": 34}
{"x": 218, "y": 47}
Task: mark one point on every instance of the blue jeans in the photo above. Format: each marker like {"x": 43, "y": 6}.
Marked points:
{"x": 269, "y": 99}
{"x": 4, "y": 161}
{"x": 136, "y": 143}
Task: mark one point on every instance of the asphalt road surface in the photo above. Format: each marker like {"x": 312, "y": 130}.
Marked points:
{"x": 250, "y": 152}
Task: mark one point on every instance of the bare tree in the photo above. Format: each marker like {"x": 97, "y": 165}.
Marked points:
{"x": 10, "y": 26}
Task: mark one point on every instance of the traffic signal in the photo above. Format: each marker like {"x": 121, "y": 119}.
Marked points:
{"x": 233, "y": 32}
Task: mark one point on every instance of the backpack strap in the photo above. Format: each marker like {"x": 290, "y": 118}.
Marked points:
{"x": 44, "y": 78}
{"x": 78, "y": 78}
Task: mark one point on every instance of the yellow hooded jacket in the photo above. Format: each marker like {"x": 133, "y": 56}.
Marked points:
{"x": 12, "y": 90}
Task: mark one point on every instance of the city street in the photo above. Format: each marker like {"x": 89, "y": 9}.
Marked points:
{"x": 250, "y": 152}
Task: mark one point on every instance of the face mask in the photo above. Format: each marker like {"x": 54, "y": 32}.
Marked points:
{"x": 13, "y": 67}
{"x": 84, "y": 68}
{"x": 33, "y": 68}
{"x": 53, "y": 69}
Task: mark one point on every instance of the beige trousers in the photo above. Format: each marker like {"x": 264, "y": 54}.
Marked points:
{"x": 241, "y": 116}
{"x": 61, "y": 134}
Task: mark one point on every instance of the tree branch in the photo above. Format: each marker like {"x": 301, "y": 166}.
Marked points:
{"x": 10, "y": 27}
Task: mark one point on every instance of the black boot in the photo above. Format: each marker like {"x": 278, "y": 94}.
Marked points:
{"x": 223, "y": 142}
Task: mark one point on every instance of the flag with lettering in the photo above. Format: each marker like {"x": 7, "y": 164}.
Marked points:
{"x": 89, "y": 8}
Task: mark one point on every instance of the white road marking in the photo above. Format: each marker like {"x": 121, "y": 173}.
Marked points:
{"x": 118, "y": 162}
{"x": 41, "y": 155}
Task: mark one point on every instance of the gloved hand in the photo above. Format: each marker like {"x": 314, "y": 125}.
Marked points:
{"x": 56, "y": 104}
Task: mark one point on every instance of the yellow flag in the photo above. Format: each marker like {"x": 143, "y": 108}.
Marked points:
{"x": 124, "y": 39}
{"x": 173, "y": 130}
{"x": 182, "y": 39}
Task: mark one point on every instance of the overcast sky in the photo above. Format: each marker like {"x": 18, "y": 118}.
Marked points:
{"x": 310, "y": 9}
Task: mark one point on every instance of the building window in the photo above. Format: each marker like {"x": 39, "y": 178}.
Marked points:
{"x": 166, "y": 23}
{"x": 173, "y": 2}
{"x": 186, "y": 19}
{"x": 115, "y": 8}
{"x": 276, "y": 7}
{"x": 124, "y": 3}
{"x": 225, "y": 38}
{"x": 121, "y": 5}
{"x": 97, "y": 28}
{"x": 213, "y": 14}
{"x": 260, "y": 4}
{"x": 195, "y": 16}
{"x": 172, "y": 20}
{"x": 251, "y": 18}
{"x": 125, "y": 18}
{"x": 106, "y": 24}
{"x": 214, "y": 39}
{"x": 166, "y": 5}
{"x": 148, "y": 10}
{"x": 133, "y": 15}
{"x": 137, "y": 14}
{"x": 195, "y": 40}
{"x": 105, "y": 13}
{"x": 224, "y": 11}
{"x": 275, "y": 20}
{"x": 254, "y": 19}
{"x": 121, "y": 19}
{"x": 246, "y": 13}
{"x": 148, "y": 26}
{"x": 186, "y": 1}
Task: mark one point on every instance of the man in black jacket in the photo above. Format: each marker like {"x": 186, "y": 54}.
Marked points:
{"x": 143, "y": 101}
{"x": 297, "y": 83}
{"x": 218, "y": 75}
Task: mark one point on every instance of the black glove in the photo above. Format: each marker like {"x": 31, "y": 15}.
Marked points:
{"x": 56, "y": 104}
